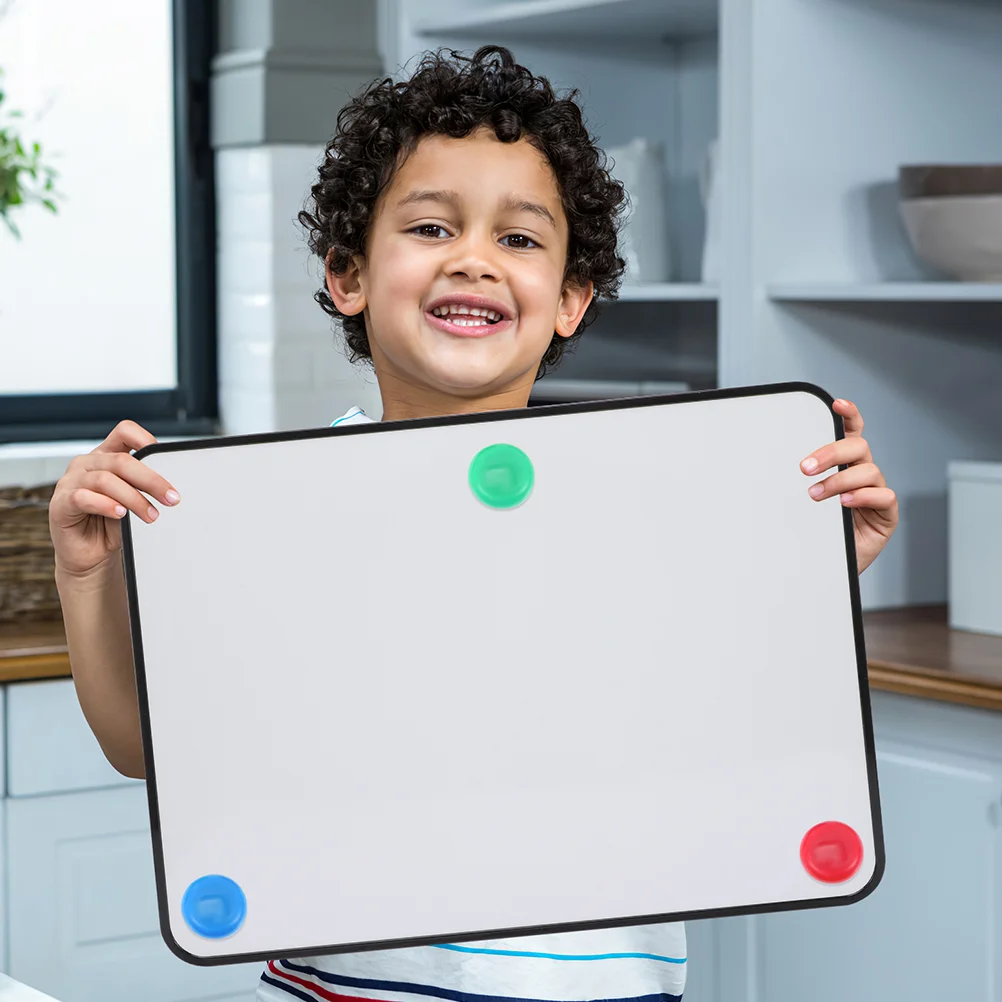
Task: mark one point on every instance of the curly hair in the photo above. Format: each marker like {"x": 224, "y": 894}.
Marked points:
{"x": 454, "y": 95}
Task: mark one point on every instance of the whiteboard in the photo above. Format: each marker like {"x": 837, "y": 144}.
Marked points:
{"x": 379, "y": 710}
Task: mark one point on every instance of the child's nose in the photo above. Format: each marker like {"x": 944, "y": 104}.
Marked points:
{"x": 475, "y": 257}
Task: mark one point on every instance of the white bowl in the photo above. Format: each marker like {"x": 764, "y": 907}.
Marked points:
{"x": 960, "y": 235}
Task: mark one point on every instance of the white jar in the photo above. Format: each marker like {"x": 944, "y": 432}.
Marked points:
{"x": 709, "y": 190}
{"x": 975, "y": 547}
{"x": 644, "y": 243}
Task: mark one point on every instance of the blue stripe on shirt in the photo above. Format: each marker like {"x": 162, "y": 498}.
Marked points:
{"x": 560, "y": 956}
{"x": 442, "y": 993}
{"x": 286, "y": 988}
{"x": 354, "y": 412}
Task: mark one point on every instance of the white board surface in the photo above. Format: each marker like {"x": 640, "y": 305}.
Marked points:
{"x": 392, "y": 714}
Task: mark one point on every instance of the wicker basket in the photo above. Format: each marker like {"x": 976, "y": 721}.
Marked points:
{"x": 27, "y": 563}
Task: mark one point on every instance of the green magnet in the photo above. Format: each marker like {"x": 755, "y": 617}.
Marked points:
{"x": 501, "y": 476}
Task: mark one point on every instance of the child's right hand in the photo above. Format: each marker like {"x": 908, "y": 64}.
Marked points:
{"x": 93, "y": 495}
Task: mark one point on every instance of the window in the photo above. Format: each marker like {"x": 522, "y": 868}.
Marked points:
{"x": 107, "y": 308}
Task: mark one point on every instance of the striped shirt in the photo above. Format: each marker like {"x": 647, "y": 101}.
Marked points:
{"x": 636, "y": 964}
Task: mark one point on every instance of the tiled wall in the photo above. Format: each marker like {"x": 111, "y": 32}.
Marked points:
{"x": 281, "y": 365}
{"x": 31, "y": 464}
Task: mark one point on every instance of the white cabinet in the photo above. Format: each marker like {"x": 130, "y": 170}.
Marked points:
{"x": 82, "y": 902}
{"x": 3, "y": 830}
{"x": 930, "y": 929}
{"x": 51, "y": 747}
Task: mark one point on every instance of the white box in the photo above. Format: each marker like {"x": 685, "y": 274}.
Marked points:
{"x": 975, "y": 546}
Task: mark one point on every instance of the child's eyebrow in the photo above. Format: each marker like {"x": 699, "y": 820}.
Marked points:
{"x": 511, "y": 202}
{"x": 412, "y": 197}
{"x": 516, "y": 203}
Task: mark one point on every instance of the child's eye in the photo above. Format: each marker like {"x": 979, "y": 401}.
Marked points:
{"x": 423, "y": 231}
{"x": 524, "y": 242}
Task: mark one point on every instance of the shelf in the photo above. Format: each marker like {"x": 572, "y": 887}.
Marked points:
{"x": 668, "y": 292}
{"x": 640, "y": 21}
{"x": 888, "y": 292}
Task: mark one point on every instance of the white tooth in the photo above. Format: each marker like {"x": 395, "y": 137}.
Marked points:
{"x": 457, "y": 309}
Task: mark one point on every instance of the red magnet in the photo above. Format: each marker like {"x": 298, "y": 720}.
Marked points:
{"x": 832, "y": 852}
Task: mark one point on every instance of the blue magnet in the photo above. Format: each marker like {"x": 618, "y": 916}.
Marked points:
{"x": 214, "y": 906}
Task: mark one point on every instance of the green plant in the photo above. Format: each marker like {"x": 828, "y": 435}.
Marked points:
{"x": 23, "y": 176}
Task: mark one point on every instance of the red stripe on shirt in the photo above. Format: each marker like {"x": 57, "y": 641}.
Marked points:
{"x": 323, "y": 993}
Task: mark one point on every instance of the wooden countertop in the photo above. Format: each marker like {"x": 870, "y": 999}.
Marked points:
{"x": 33, "y": 650}
{"x": 914, "y": 651}
{"x": 910, "y": 651}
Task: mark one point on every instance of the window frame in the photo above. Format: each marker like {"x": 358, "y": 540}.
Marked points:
{"x": 191, "y": 408}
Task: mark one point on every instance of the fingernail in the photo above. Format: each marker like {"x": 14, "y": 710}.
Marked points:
{"x": 817, "y": 490}
{"x": 172, "y": 497}
{"x": 153, "y": 513}
{"x": 809, "y": 465}
{"x": 846, "y": 498}
{"x": 844, "y": 403}
{"x": 119, "y": 510}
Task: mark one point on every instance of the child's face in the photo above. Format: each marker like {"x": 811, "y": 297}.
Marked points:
{"x": 470, "y": 217}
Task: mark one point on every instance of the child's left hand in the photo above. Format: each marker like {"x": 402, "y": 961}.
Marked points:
{"x": 862, "y": 486}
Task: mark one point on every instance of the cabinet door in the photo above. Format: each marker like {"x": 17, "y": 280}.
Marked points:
{"x": 929, "y": 930}
{"x": 82, "y": 911}
{"x": 36, "y": 764}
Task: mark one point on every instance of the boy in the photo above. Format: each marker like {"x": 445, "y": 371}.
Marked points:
{"x": 468, "y": 226}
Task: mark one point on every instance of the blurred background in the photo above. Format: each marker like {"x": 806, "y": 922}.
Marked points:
{"x": 817, "y": 193}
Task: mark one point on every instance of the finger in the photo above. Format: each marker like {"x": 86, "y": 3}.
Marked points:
{"x": 844, "y": 452}
{"x": 111, "y": 486}
{"x": 852, "y": 479}
{"x": 851, "y": 418}
{"x": 133, "y": 471}
{"x": 879, "y": 499}
{"x": 85, "y": 502}
{"x": 126, "y": 436}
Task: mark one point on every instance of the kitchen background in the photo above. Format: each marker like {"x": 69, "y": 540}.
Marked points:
{"x": 773, "y": 240}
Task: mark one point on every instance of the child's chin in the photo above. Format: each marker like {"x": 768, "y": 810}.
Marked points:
{"x": 470, "y": 380}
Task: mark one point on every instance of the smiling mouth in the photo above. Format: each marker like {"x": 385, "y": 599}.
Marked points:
{"x": 467, "y": 316}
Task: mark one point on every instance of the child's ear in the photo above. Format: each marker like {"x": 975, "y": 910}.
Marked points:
{"x": 346, "y": 289}
{"x": 574, "y": 300}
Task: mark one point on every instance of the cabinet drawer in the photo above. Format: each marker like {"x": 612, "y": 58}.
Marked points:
{"x": 50, "y": 747}
{"x": 82, "y": 910}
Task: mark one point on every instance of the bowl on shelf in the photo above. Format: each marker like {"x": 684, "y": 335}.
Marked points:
{"x": 949, "y": 180}
{"x": 958, "y": 235}
{"x": 953, "y": 216}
